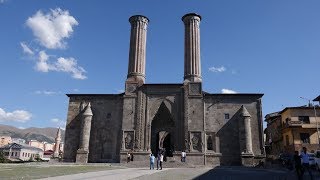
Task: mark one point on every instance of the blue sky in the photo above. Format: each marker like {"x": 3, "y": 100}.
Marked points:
{"x": 51, "y": 48}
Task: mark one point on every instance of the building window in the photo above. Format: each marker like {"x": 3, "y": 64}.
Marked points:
{"x": 209, "y": 143}
{"x": 108, "y": 115}
{"x": 226, "y": 116}
{"x": 304, "y": 119}
{"x": 287, "y": 140}
{"x": 16, "y": 154}
{"x": 305, "y": 138}
{"x": 23, "y": 154}
{"x": 12, "y": 153}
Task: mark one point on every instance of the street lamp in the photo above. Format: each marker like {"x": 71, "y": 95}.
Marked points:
{"x": 315, "y": 116}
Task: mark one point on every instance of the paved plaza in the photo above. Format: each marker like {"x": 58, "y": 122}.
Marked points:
{"x": 219, "y": 173}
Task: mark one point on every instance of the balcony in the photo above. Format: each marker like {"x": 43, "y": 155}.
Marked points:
{"x": 290, "y": 123}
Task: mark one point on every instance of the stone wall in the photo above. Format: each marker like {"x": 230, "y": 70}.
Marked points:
{"x": 105, "y": 136}
{"x": 222, "y": 117}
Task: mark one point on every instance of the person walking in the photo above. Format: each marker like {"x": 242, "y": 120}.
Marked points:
{"x": 297, "y": 163}
{"x": 152, "y": 161}
{"x": 128, "y": 157}
{"x": 305, "y": 162}
{"x": 158, "y": 160}
{"x": 183, "y": 156}
{"x": 161, "y": 161}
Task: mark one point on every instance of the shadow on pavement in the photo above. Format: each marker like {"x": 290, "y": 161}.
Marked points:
{"x": 239, "y": 173}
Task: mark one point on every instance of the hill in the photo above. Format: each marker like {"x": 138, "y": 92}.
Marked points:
{"x": 40, "y": 134}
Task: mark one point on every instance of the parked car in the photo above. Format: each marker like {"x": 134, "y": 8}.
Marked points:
{"x": 317, "y": 160}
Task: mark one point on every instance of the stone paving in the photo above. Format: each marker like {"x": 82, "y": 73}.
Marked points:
{"x": 219, "y": 173}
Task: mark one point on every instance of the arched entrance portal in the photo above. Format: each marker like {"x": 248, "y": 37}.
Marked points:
{"x": 162, "y": 131}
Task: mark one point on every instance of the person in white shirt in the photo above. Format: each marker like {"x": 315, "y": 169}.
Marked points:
{"x": 305, "y": 162}
{"x": 161, "y": 161}
{"x": 183, "y": 156}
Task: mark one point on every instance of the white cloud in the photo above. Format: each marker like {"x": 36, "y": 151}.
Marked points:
{"x": 2, "y": 1}
{"x": 68, "y": 65}
{"x": 228, "y": 91}
{"x": 55, "y": 120}
{"x": 26, "y": 48}
{"x": 59, "y": 123}
{"x": 52, "y": 28}
{"x": 17, "y": 115}
{"x": 45, "y": 92}
{"x": 217, "y": 69}
{"x": 42, "y": 64}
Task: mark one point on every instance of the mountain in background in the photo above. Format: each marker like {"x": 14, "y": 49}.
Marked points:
{"x": 40, "y": 134}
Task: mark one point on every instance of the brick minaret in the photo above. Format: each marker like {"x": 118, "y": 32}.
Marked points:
{"x": 137, "y": 51}
{"x": 192, "y": 66}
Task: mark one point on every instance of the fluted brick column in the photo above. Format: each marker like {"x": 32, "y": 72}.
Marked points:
{"x": 192, "y": 65}
{"x": 83, "y": 151}
{"x": 137, "y": 51}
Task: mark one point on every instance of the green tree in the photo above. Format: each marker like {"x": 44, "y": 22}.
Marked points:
{"x": 2, "y": 158}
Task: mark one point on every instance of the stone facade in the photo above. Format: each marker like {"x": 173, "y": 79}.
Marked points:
{"x": 213, "y": 129}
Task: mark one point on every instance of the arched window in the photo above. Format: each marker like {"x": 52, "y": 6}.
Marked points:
{"x": 209, "y": 143}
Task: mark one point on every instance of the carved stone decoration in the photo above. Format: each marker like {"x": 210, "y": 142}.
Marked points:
{"x": 128, "y": 139}
{"x": 196, "y": 141}
{"x": 195, "y": 89}
{"x": 131, "y": 87}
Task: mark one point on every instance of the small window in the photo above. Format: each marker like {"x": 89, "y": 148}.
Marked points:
{"x": 305, "y": 137}
{"x": 209, "y": 143}
{"x": 12, "y": 153}
{"x": 16, "y": 154}
{"x": 304, "y": 119}
{"x": 226, "y": 116}
{"x": 108, "y": 115}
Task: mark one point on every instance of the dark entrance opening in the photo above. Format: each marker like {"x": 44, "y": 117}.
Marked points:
{"x": 162, "y": 129}
{"x": 168, "y": 146}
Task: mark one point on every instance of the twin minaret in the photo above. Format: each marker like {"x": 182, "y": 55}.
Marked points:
{"x": 137, "y": 51}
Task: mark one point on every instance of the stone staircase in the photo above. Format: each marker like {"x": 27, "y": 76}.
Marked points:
{"x": 170, "y": 163}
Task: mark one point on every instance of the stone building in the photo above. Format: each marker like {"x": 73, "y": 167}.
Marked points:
{"x": 213, "y": 128}
{"x": 291, "y": 129}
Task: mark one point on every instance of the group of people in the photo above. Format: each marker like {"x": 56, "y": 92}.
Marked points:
{"x": 160, "y": 157}
{"x": 302, "y": 163}
{"x": 159, "y": 160}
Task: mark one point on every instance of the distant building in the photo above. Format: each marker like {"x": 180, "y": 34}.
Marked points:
{"x": 291, "y": 129}
{"x": 5, "y": 140}
{"x": 18, "y": 141}
{"x": 16, "y": 151}
{"x": 37, "y": 144}
{"x": 48, "y": 146}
